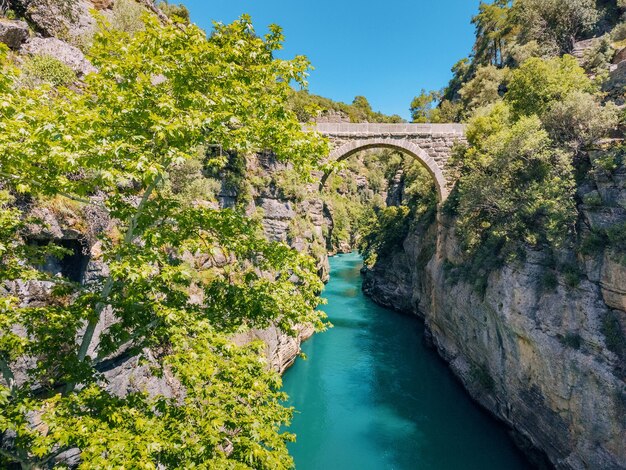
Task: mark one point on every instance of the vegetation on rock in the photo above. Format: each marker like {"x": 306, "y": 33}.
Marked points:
{"x": 309, "y": 107}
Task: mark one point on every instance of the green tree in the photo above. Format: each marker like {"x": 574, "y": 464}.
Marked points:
{"x": 515, "y": 186}
{"x": 361, "y": 103}
{"x": 484, "y": 89}
{"x": 159, "y": 96}
{"x": 538, "y": 82}
{"x": 494, "y": 30}
{"x": 447, "y": 111}
{"x": 461, "y": 72}
{"x": 554, "y": 24}
{"x": 422, "y": 106}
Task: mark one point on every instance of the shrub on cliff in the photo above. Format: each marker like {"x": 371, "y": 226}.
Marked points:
{"x": 45, "y": 68}
{"x": 176, "y": 11}
{"x": 516, "y": 176}
{"x": 539, "y": 82}
{"x": 579, "y": 120}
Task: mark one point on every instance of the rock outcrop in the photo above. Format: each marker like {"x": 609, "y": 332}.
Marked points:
{"x": 61, "y": 50}
{"x": 71, "y": 20}
{"x": 13, "y": 33}
{"x": 281, "y": 350}
{"x": 295, "y": 215}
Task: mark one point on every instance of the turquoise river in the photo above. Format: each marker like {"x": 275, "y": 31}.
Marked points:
{"x": 371, "y": 395}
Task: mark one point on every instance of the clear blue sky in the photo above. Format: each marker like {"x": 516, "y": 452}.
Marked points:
{"x": 384, "y": 50}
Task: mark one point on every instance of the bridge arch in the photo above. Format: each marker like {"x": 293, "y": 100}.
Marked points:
{"x": 352, "y": 147}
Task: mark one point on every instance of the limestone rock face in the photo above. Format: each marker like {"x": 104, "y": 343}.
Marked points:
{"x": 537, "y": 356}
{"x": 332, "y": 116}
{"x": 66, "y": 53}
{"x": 276, "y": 209}
{"x": 13, "y": 33}
{"x": 616, "y": 81}
{"x": 583, "y": 46}
{"x": 620, "y": 56}
{"x": 534, "y": 357}
{"x": 62, "y": 19}
{"x": 613, "y": 282}
{"x": 281, "y": 349}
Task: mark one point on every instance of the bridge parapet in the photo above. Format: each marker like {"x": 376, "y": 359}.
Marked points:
{"x": 375, "y": 129}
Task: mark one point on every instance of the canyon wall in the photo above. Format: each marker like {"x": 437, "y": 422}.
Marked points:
{"x": 541, "y": 347}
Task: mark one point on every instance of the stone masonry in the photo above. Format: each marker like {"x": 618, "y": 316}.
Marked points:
{"x": 429, "y": 143}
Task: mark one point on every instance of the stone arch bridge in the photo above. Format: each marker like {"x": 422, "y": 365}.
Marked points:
{"x": 431, "y": 144}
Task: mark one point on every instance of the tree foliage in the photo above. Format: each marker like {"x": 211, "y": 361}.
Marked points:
{"x": 422, "y": 106}
{"x": 516, "y": 185}
{"x": 385, "y": 228}
{"x": 538, "y": 82}
{"x": 511, "y": 32}
{"x": 461, "y": 72}
{"x": 555, "y": 24}
{"x": 494, "y": 31}
{"x": 181, "y": 276}
{"x": 516, "y": 174}
{"x": 579, "y": 120}
{"x": 484, "y": 89}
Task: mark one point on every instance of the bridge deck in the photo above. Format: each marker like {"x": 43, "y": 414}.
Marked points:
{"x": 374, "y": 129}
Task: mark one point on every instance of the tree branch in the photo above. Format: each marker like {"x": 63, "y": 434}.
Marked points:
{"x": 60, "y": 193}
{"x": 7, "y": 374}
{"x": 108, "y": 286}
{"x": 22, "y": 460}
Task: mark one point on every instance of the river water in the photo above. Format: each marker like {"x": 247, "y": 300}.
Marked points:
{"x": 372, "y": 396}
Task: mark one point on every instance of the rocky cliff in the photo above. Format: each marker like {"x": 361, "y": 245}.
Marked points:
{"x": 60, "y": 30}
{"x": 542, "y": 345}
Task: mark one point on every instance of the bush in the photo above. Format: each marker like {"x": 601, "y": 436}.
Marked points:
{"x": 482, "y": 377}
{"x": 176, "y": 12}
{"x": 597, "y": 59}
{"x": 592, "y": 198}
{"x": 484, "y": 88}
{"x": 538, "y": 83}
{"x": 572, "y": 275}
{"x": 619, "y": 32}
{"x": 593, "y": 243}
{"x": 613, "y": 334}
{"x": 47, "y": 69}
{"x": 549, "y": 281}
{"x": 127, "y": 16}
{"x": 579, "y": 120}
{"x": 609, "y": 160}
{"x": 617, "y": 237}
{"x": 571, "y": 340}
{"x": 291, "y": 184}
{"x": 190, "y": 185}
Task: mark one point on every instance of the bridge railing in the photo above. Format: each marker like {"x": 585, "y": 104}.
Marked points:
{"x": 346, "y": 129}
